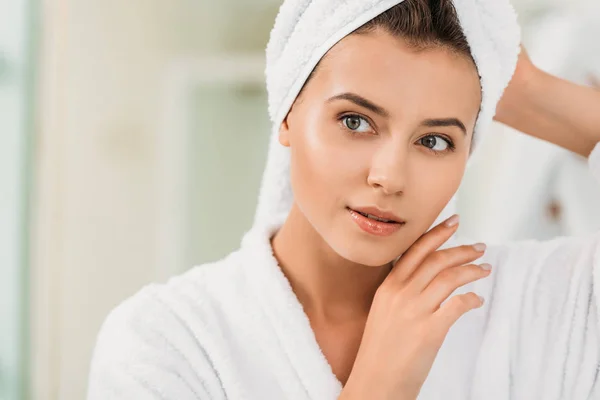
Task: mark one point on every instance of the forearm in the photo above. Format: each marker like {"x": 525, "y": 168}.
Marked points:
{"x": 554, "y": 110}
{"x": 359, "y": 387}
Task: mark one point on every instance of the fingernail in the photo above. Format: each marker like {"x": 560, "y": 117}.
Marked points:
{"x": 482, "y": 300}
{"x": 452, "y": 221}
{"x": 486, "y": 267}
{"x": 480, "y": 247}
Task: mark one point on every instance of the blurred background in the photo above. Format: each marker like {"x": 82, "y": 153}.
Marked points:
{"x": 129, "y": 130}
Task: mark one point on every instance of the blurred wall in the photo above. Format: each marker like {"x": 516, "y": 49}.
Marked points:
{"x": 102, "y": 77}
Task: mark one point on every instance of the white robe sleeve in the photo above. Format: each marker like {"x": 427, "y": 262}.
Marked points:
{"x": 141, "y": 354}
{"x": 542, "y": 326}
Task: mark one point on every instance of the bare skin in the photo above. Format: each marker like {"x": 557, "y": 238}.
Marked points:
{"x": 594, "y": 81}
{"x": 334, "y": 267}
{"x": 551, "y": 108}
{"x": 342, "y": 275}
{"x": 408, "y": 324}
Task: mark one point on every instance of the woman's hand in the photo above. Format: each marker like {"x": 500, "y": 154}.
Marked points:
{"x": 407, "y": 323}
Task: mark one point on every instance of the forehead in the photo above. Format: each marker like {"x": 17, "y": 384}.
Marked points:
{"x": 434, "y": 82}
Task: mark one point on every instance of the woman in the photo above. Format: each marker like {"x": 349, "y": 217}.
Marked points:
{"x": 340, "y": 291}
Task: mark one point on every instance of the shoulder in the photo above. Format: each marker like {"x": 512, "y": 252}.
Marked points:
{"x": 544, "y": 275}
{"x": 214, "y": 295}
{"x": 562, "y": 249}
{"x": 159, "y": 339}
{"x": 167, "y": 317}
{"x": 552, "y": 268}
{"x": 185, "y": 301}
{"x": 537, "y": 251}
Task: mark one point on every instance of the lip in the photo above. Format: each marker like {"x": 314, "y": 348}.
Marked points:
{"x": 374, "y": 227}
{"x": 380, "y": 214}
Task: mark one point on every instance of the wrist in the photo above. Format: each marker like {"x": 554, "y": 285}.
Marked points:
{"x": 526, "y": 75}
{"x": 521, "y": 91}
{"x": 356, "y": 390}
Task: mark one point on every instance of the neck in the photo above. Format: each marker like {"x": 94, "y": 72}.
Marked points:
{"x": 327, "y": 285}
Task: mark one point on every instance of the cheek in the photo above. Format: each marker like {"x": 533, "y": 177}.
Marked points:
{"x": 324, "y": 163}
{"x": 434, "y": 184}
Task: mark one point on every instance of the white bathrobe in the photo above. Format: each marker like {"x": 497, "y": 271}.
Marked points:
{"x": 234, "y": 329}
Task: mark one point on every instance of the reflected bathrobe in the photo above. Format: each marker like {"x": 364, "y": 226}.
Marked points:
{"x": 234, "y": 329}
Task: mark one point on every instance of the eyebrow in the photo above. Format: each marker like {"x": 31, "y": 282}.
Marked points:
{"x": 362, "y": 102}
{"x": 432, "y": 123}
{"x": 369, "y": 105}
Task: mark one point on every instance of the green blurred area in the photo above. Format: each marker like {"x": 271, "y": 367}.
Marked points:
{"x": 17, "y": 48}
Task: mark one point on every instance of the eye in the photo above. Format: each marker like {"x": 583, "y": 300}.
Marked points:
{"x": 437, "y": 144}
{"x": 356, "y": 123}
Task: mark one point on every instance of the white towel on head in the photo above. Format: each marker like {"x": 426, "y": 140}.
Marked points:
{"x": 305, "y": 30}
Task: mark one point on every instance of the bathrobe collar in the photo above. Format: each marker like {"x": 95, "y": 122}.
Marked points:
{"x": 287, "y": 316}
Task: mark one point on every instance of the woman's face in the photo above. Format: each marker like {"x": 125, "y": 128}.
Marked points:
{"x": 384, "y": 127}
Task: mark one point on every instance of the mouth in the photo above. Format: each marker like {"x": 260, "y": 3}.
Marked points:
{"x": 378, "y": 215}
{"x": 379, "y": 224}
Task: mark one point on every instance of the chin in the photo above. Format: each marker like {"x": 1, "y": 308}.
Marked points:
{"x": 361, "y": 248}
{"x": 367, "y": 254}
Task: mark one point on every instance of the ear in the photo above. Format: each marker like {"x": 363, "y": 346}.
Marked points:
{"x": 284, "y": 133}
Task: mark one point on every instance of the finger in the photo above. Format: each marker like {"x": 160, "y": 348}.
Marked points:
{"x": 444, "y": 259}
{"x": 426, "y": 244}
{"x": 449, "y": 281}
{"x": 456, "y": 307}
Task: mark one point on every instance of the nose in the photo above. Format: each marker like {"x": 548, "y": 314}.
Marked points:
{"x": 388, "y": 172}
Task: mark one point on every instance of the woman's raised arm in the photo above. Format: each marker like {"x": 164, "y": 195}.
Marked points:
{"x": 551, "y": 108}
